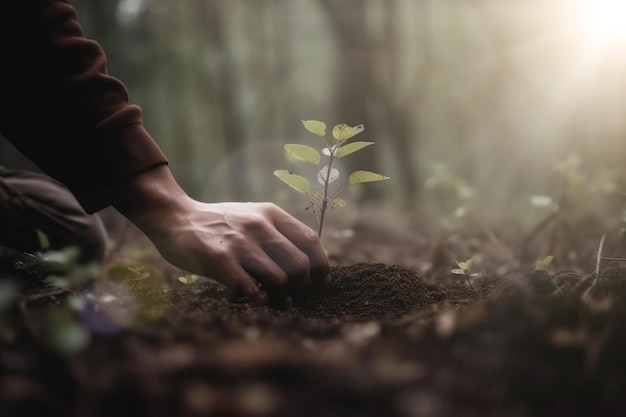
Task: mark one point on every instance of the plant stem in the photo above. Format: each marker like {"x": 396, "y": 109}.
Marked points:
{"x": 312, "y": 200}
{"x": 321, "y": 219}
{"x": 469, "y": 281}
{"x": 326, "y": 182}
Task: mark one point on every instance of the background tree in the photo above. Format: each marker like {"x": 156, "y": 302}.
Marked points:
{"x": 463, "y": 98}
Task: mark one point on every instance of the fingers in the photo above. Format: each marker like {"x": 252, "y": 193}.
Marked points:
{"x": 294, "y": 262}
{"x": 239, "y": 280}
{"x": 282, "y": 269}
{"x": 243, "y": 244}
{"x": 247, "y": 267}
{"x": 283, "y": 254}
{"x": 308, "y": 242}
{"x": 264, "y": 269}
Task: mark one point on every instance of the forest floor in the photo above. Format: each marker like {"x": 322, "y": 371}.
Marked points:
{"x": 394, "y": 334}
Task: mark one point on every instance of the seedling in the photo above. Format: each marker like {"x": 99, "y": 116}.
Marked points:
{"x": 465, "y": 269}
{"x": 189, "y": 279}
{"x": 137, "y": 274}
{"x": 322, "y": 199}
{"x": 62, "y": 329}
{"x": 64, "y": 270}
{"x": 44, "y": 242}
{"x": 543, "y": 264}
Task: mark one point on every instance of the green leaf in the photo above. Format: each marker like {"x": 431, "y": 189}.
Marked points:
{"x": 466, "y": 266}
{"x": 337, "y": 203}
{"x": 543, "y": 264}
{"x": 458, "y": 272}
{"x": 358, "y": 177}
{"x": 44, "y": 242}
{"x": 351, "y": 148}
{"x": 343, "y": 132}
{"x": 303, "y": 153}
{"x": 296, "y": 182}
{"x": 315, "y": 126}
{"x": 189, "y": 279}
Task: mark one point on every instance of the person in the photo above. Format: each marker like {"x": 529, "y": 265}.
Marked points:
{"x": 75, "y": 122}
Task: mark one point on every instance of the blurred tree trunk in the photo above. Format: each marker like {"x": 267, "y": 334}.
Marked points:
{"x": 354, "y": 76}
{"x": 369, "y": 89}
{"x": 213, "y": 14}
{"x": 185, "y": 150}
{"x": 400, "y": 103}
{"x": 274, "y": 56}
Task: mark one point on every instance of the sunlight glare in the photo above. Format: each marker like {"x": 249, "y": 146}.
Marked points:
{"x": 602, "y": 20}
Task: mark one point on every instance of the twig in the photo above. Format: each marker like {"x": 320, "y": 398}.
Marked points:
{"x": 604, "y": 258}
{"x": 324, "y": 207}
{"x": 599, "y": 257}
{"x": 595, "y": 276}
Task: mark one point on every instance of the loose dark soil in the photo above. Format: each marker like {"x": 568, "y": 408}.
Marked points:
{"x": 381, "y": 340}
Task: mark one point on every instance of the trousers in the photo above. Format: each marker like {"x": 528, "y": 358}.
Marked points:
{"x": 33, "y": 205}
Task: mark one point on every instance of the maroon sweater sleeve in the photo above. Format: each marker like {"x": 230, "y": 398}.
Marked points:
{"x": 62, "y": 109}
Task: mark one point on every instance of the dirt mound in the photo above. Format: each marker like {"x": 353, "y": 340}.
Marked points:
{"x": 369, "y": 291}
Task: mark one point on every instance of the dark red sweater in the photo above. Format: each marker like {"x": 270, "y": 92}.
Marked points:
{"x": 62, "y": 109}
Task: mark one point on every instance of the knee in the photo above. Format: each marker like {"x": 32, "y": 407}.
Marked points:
{"x": 47, "y": 206}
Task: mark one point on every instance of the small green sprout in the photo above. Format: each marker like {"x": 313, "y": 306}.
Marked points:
{"x": 189, "y": 279}
{"x": 137, "y": 274}
{"x": 465, "y": 269}
{"x": 322, "y": 199}
{"x": 62, "y": 329}
{"x": 543, "y": 264}
{"x": 44, "y": 242}
{"x": 64, "y": 270}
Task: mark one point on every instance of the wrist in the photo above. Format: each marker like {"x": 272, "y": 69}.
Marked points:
{"x": 150, "y": 195}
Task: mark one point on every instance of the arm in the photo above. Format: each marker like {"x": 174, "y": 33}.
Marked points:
{"x": 74, "y": 121}
{"x": 65, "y": 112}
{"x": 239, "y": 244}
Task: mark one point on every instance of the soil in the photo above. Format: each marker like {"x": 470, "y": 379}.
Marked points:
{"x": 382, "y": 339}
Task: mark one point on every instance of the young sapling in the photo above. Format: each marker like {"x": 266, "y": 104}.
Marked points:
{"x": 465, "y": 269}
{"x": 189, "y": 279}
{"x": 323, "y": 199}
{"x": 137, "y": 274}
{"x": 543, "y": 264}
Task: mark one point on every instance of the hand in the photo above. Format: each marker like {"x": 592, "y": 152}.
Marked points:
{"x": 240, "y": 244}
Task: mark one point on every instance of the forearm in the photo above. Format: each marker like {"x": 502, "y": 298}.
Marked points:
{"x": 65, "y": 112}
{"x": 150, "y": 196}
